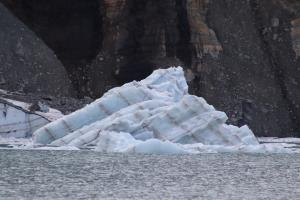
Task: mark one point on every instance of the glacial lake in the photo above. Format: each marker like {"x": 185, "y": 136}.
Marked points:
{"x": 43, "y": 174}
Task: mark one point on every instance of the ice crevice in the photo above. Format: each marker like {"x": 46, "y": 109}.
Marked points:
{"x": 155, "y": 115}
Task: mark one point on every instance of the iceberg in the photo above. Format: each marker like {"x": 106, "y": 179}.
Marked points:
{"x": 165, "y": 85}
{"x": 155, "y": 115}
{"x": 112, "y": 142}
{"x": 18, "y": 121}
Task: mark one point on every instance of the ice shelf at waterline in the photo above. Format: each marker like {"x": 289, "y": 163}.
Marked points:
{"x": 17, "y": 121}
{"x": 153, "y": 115}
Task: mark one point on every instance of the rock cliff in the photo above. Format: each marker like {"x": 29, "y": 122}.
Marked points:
{"x": 240, "y": 55}
{"x": 26, "y": 63}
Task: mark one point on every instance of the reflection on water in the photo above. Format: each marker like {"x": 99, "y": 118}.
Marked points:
{"x": 87, "y": 174}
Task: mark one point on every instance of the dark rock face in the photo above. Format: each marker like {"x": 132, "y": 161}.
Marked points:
{"x": 71, "y": 29}
{"x": 241, "y": 55}
{"x": 258, "y": 50}
{"x": 138, "y": 36}
{"x": 26, "y": 63}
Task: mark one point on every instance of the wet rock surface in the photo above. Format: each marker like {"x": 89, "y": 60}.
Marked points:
{"x": 241, "y": 56}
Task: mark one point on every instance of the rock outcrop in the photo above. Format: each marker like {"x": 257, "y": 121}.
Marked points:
{"x": 240, "y": 55}
{"x": 26, "y": 63}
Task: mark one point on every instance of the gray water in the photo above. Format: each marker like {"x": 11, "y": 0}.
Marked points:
{"x": 92, "y": 175}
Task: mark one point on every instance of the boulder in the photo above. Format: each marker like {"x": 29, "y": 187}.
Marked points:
{"x": 26, "y": 63}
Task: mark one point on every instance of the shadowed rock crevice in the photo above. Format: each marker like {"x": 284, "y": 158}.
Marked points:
{"x": 183, "y": 46}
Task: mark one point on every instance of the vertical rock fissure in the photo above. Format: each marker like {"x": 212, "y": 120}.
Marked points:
{"x": 279, "y": 72}
{"x": 183, "y": 46}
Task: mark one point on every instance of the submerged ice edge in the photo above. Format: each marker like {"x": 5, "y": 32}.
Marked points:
{"x": 155, "y": 115}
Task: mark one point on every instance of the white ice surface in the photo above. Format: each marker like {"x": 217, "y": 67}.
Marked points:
{"x": 125, "y": 143}
{"x": 279, "y": 140}
{"x": 18, "y": 122}
{"x": 51, "y": 115}
{"x": 155, "y": 115}
{"x": 19, "y": 143}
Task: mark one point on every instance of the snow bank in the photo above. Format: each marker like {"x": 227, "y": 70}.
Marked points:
{"x": 155, "y": 115}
